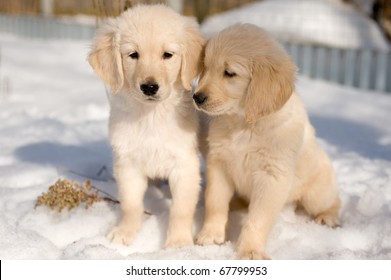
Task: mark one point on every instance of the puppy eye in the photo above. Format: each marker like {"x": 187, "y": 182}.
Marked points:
{"x": 229, "y": 74}
{"x": 134, "y": 55}
{"x": 167, "y": 55}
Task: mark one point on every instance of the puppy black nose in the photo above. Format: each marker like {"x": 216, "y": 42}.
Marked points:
{"x": 199, "y": 98}
{"x": 149, "y": 89}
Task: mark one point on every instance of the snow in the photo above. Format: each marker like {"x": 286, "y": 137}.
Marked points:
{"x": 324, "y": 22}
{"x": 53, "y": 123}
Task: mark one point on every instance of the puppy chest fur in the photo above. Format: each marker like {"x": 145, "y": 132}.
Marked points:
{"x": 147, "y": 139}
{"x": 245, "y": 148}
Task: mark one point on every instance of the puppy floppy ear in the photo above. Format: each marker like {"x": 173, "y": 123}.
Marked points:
{"x": 191, "y": 55}
{"x": 105, "y": 56}
{"x": 271, "y": 85}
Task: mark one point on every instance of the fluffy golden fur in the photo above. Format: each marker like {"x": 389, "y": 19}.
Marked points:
{"x": 149, "y": 56}
{"x": 261, "y": 143}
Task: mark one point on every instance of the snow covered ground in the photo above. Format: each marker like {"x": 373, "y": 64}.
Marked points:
{"x": 53, "y": 123}
{"x": 324, "y": 22}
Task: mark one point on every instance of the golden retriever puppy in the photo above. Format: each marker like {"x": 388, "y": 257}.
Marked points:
{"x": 149, "y": 56}
{"x": 261, "y": 144}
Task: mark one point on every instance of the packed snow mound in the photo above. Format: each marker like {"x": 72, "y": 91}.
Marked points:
{"x": 324, "y": 22}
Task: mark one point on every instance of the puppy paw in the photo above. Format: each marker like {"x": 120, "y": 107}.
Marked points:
{"x": 253, "y": 255}
{"x": 249, "y": 246}
{"x": 178, "y": 241}
{"x": 122, "y": 235}
{"x": 328, "y": 220}
{"x": 208, "y": 237}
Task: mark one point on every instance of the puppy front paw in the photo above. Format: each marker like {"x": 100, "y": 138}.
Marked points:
{"x": 178, "y": 240}
{"x": 210, "y": 236}
{"x": 249, "y": 248}
{"x": 122, "y": 235}
{"x": 253, "y": 255}
{"x": 327, "y": 220}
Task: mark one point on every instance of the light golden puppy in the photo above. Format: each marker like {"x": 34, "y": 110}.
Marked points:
{"x": 149, "y": 56}
{"x": 261, "y": 144}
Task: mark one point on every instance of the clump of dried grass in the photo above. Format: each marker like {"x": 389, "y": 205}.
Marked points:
{"x": 69, "y": 194}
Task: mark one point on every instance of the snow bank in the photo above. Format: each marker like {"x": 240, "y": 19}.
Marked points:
{"x": 325, "y": 22}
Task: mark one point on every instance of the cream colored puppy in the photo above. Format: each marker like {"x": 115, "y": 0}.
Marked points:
{"x": 149, "y": 57}
{"x": 261, "y": 144}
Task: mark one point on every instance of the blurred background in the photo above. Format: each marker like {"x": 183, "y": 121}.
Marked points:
{"x": 199, "y": 8}
{"x": 343, "y": 41}
{"x": 379, "y": 10}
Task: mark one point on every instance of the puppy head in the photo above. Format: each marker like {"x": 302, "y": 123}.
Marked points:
{"x": 147, "y": 52}
{"x": 245, "y": 71}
